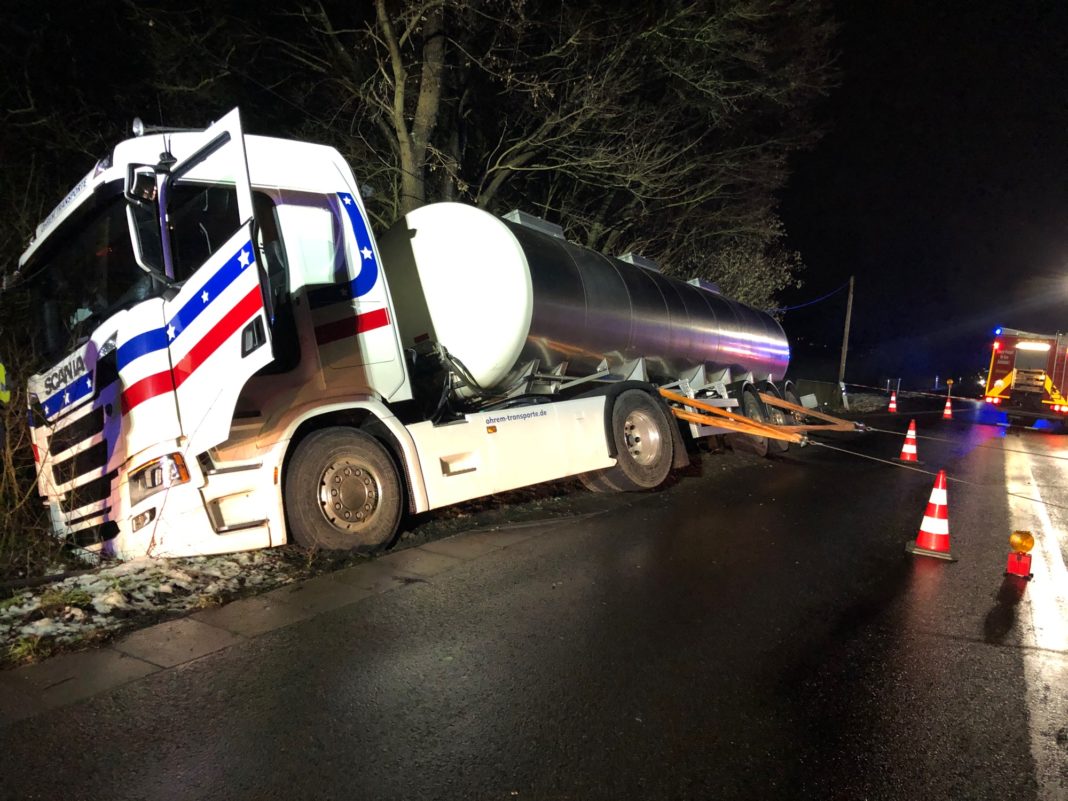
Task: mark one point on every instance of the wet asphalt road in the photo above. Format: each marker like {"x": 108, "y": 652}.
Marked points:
{"x": 753, "y": 632}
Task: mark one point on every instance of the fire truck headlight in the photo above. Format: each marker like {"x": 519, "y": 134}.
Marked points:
{"x": 150, "y": 478}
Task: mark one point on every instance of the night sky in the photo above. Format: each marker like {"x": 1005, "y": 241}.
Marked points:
{"x": 942, "y": 185}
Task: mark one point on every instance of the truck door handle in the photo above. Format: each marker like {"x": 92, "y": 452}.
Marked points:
{"x": 252, "y": 337}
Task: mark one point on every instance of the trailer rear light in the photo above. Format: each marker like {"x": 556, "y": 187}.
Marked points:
{"x": 150, "y": 478}
{"x": 992, "y": 399}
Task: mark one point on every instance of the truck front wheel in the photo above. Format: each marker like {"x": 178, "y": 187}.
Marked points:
{"x": 342, "y": 492}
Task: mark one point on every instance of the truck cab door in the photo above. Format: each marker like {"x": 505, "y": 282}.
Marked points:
{"x": 217, "y": 325}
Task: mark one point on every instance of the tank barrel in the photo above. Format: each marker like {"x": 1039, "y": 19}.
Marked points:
{"x": 498, "y": 294}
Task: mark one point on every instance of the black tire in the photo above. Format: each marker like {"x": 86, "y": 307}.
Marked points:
{"x": 595, "y": 481}
{"x": 777, "y": 417}
{"x": 644, "y": 446}
{"x": 342, "y": 492}
{"x": 791, "y": 397}
{"x": 752, "y": 408}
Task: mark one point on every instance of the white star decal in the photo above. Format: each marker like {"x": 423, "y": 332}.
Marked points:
{"x": 66, "y": 398}
{"x": 366, "y": 252}
{"x": 204, "y": 296}
{"x": 348, "y": 200}
{"x": 170, "y": 332}
{"x": 47, "y": 410}
{"x": 89, "y": 382}
{"x": 243, "y": 258}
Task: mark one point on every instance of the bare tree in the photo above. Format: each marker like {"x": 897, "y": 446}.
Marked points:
{"x": 662, "y": 129}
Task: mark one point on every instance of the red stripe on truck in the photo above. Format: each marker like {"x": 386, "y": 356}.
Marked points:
{"x": 146, "y": 389}
{"x": 168, "y": 380}
{"x": 351, "y": 326}
{"x": 223, "y": 330}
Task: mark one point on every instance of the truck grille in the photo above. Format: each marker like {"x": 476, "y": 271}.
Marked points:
{"x": 91, "y": 492}
{"x": 92, "y": 460}
{"x": 80, "y": 430}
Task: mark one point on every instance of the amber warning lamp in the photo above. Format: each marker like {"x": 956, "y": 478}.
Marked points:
{"x": 1019, "y": 563}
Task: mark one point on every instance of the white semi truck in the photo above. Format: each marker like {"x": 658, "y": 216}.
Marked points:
{"x": 236, "y": 362}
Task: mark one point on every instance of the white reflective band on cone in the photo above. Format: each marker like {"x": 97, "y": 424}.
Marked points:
{"x": 933, "y": 525}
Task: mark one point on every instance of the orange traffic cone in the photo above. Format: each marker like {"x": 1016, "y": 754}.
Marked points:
{"x": 947, "y": 413}
{"x": 933, "y": 539}
{"x": 893, "y": 402}
{"x": 908, "y": 449}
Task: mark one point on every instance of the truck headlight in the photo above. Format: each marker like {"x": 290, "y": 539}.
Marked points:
{"x": 150, "y": 478}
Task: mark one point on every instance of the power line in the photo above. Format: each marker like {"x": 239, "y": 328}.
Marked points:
{"x": 809, "y": 303}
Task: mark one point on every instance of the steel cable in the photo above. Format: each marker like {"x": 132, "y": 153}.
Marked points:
{"x": 953, "y": 442}
{"x": 931, "y": 473}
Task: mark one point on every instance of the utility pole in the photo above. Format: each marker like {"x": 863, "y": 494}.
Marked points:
{"x": 845, "y": 334}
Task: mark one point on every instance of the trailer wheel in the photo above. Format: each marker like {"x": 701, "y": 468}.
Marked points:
{"x": 777, "y": 417}
{"x": 342, "y": 492}
{"x": 791, "y": 397}
{"x": 752, "y": 408}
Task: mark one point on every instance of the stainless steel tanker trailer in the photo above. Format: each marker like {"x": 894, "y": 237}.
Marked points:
{"x": 512, "y": 308}
{"x": 244, "y": 364}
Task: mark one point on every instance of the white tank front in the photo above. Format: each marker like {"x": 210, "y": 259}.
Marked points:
{"x": 458, "y": 276}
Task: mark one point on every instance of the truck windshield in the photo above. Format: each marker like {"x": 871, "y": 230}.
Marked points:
{"x": 88, "y": 275}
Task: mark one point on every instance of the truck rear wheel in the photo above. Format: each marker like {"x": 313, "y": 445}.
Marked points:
{"x": 342, "y": 492}
{"x": 642, "y": 438}
{"x": 595, "y": 481}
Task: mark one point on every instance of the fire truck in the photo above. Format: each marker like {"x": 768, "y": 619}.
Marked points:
{"x": 1026, "y": 374}
{"x": 236, "y": 361}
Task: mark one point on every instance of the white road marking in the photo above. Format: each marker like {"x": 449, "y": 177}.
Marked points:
{"x": 1044, "y": 628}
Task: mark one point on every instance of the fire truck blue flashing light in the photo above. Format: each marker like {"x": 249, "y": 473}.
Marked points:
{"x": 997, "y": 332}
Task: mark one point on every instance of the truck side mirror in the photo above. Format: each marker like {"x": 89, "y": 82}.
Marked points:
{"x": 140, "y": 184}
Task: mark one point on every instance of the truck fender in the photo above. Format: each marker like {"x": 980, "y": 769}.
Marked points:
{"x": 611, "y": 391}
{"x": 368, "y": 414}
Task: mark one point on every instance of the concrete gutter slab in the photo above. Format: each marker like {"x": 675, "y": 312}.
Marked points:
{"x": 319, "y": 594}
{"x": 178, "y": 641}
{"x": 419, "y": 562}
{"x": 250, "y": 617}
